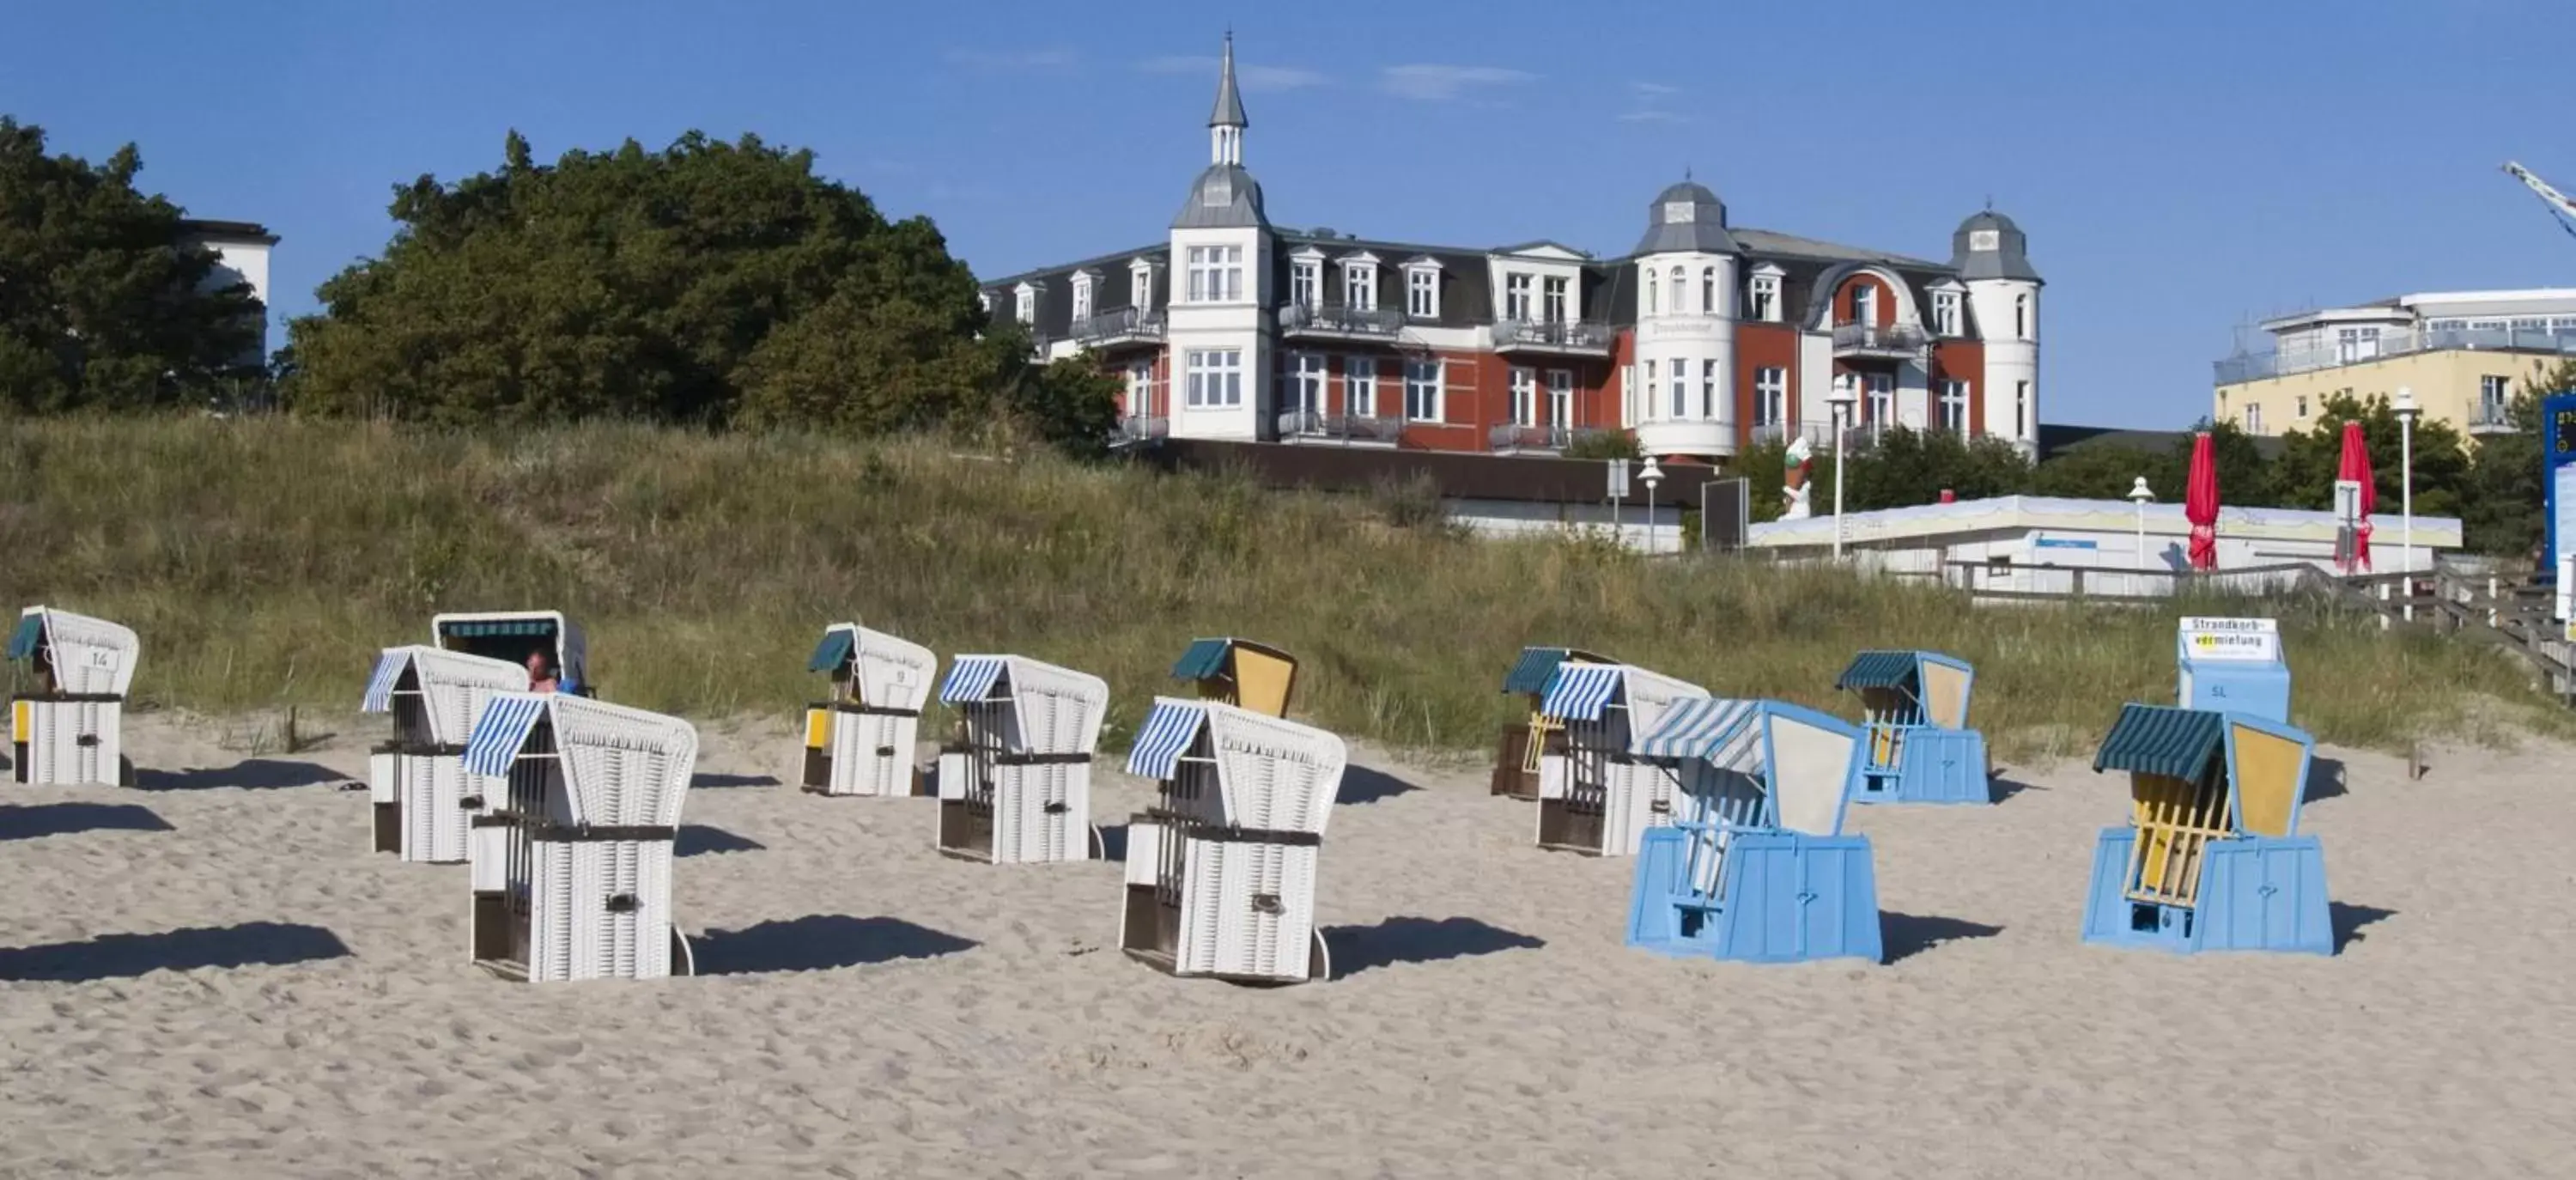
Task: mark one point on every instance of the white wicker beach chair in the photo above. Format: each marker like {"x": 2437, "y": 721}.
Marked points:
{"x": 1220, "y": 877}
{"x": 1598, "y": 797}
{"x": 510, "y": 635}
{"x": 580, "y": 886}
{"x": 1017, "y": 790}
{"x": 70, "y": 729}
{"x": 425, "y": 801}
{"x": 862, "y": 740}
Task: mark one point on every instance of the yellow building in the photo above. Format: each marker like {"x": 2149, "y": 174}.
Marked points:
{"x": 2464, "y": 354}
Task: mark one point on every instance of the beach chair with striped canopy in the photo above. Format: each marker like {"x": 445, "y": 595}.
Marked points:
{"x": 424, "y": 800}
{"x": 1015, "y": 788}
{"x": 1755, "y": 866}
{"x": 862, "y": 740}
{"x": 1516, "y": 765}
{"x": 1221, "y": 870}
{"x": 68, "y": 728}
{"x": 2212, "y": 858}
{"x": 1915, "y": 708}
{"x": 512, "y": 635}
{"x": 581, "y": 885}
{"x": 1595, "y": 795}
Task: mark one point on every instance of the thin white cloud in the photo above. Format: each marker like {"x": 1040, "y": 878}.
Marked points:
{"x": 1441, "y": 83}
{"x": 1651, "y": 105}
{"x": 1651, "y": 115}
{"x": 1257, "y": 79}
{"x": 1653, "y": 89}
{"x": 1012, "y": 59}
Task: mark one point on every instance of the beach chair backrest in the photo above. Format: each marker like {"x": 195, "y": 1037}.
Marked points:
{"x": 889, "y": 672}
{"x": 2268, "y": 765}
{"x": 84, "y": 656}
{"x": 1059, "y": 710}
{"x": 1275, "y": 773}
{"x": 1813, "y": 760}
{"x": 1945, "y": 683}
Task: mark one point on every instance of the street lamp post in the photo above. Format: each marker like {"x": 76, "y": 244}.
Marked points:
{"x": 1841, "y": 400}
{"x": 1650, "y": 475}
{"x": 2406, "y": 412}
{"x": 2141, "y": 495}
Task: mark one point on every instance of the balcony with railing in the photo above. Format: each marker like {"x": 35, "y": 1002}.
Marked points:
{"x": 2258, "y": 366}
{"x": 2490, "y": 419}
{"x": 1309, "y": 426}
{"x": 1120, "y": 326}
{"x": 1892, "y": 341}
{"x": 1515, "y": 439}
{"x": 1554, "y": 336}
{"x": 1340, "y": 323}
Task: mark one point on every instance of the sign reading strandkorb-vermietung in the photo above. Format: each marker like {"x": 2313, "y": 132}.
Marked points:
{"x": 2231, "y": 639}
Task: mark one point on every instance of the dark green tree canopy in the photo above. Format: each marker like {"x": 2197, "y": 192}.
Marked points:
{"x": 708, "y": 283}
{"x": 103, "y": 303}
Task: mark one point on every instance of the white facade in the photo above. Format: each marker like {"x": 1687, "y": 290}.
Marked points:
{"x": 1220, "y": 334}
{"x": 1685, "y": 368}
{"x": 241, "y": 257}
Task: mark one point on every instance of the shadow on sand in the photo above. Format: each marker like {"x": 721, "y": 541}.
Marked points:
{"x": 703, "y": 840}
{"x": 63, "y": 819}
{"x": 123, "y": 956}
{"x": 1418, "y": 940}
{"x": 705, "y": 782}
{"x": 2327, "y": 778}
{"x": 819, "y": 942}
{"x": 255, "y": 774}
{"x": 1908, "y": 935}
{"x": 2348, "y": 921}
{"x": 1363, "y": 785}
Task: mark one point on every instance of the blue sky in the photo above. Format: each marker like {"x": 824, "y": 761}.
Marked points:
{"x": 2181, "y": 167}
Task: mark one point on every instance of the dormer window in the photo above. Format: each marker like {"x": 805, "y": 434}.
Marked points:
{"x": 1945, "y": 313}
{"x": 1306, "y": 282}
{"x": 1559, "y": 309}
{"x": 1766, "y": 297}
{"x": 1081, "y": 297}
{"x": 1516, "y": 297}
{"x": 1359, "y": 283}
{"x": 1140, "y": 280}
{"x": 1027, "y": 310}
{"x": 1422, "y": 290}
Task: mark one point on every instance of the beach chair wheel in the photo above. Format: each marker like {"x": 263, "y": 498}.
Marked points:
{"x": 683, "y": 960}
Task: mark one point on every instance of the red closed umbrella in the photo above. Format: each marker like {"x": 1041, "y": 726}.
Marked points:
{"x": 2355, "y": 466}
{"x": 2200, "y": 503}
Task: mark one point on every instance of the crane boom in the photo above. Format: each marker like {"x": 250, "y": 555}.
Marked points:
{"x": 2560, "y": 204}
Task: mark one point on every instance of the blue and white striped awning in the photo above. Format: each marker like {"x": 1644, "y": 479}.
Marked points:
{"x": 1708, "y": 727}
{"x": 1579, "y": 691}
{"x": 1165, "y": 736}
{"x": 500, "y": 731}
{"x": 971, "y": 678}
{"x": 380, "y": 686}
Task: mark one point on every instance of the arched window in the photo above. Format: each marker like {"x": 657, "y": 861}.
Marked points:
{"x": 2021, "y": 317}
{"x": 1678, "y": 290}
{"x": 1651, "y": 307}
{"x": 1708, "y": 290}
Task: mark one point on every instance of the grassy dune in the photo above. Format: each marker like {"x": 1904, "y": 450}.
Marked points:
{"x": 264, "y": 561}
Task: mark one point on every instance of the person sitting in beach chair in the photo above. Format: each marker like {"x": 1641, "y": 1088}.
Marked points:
{"x": 541, "y": 672}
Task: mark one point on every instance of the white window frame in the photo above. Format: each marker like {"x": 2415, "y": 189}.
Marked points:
{"x": 2253, "y": 417}
{"x": 1864, "y": 303}
{"x": 1025, "y": 307}
{"x": 1422, "y": 292}
{"x": 1306, "y": 283}
{"x": 1215, "y": 380}
{"x": 1945, "y": 313}
{"x": 1359, "y": 386}
{"x": 2021, "y": 317}
{"x": 1646, "y": 395}
{"x": 1140, "y": 388}
{"x": 1524, "y": 384}
{"x": 1679, "y": 281}
{"x": 1560, "y": 397}
{"x": 1081, "y": 299}
{"x": 1766, "y": 298}
{"x": 1652, "y": 307}
{"x": 1359, "y": 285}
{"x": 1307, "y": 381}
{"x": 1516, "y": 296}
{"x": 1770, "y": 396}
{"x": 1680, "y": 378}
{"x": 2299, "y": 407}
{"x": 2021, "y": 409}
{"x": 1708, "y": 290}
{"x": 1557, "y": 300}
{"x": 1878, "y": 396}
{"x": 1423, "y": 382}
{"x": 2495, "y": 397}
{"x": 1708, "y": 401}
{"x": 1954, "y": 406}
{"x": 1140, "y": 285}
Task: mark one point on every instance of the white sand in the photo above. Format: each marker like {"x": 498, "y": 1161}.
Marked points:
{"x": 972, "y": 1020}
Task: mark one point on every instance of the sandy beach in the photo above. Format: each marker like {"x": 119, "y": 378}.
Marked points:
{"x": 210, "y": 975}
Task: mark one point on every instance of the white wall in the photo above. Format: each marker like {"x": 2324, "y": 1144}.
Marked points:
{"x": 1242, "y": 325}
{"x": 1520, "y": 518}
{"x": 2010, "y": 359}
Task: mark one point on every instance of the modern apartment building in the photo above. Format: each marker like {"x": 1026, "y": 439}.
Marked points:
{"x": 2463, "y": 353}
{"x": 1704, "y": 338}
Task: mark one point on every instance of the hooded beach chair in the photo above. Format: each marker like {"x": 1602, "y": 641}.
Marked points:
{"x": 862, "y": 740}
{"x": 1920, "y": 749}
{"x": 511, "y": 635}
{"x": 577, "y": 881}
{"x": 1220, "y": 877}
{"x": 2211, "y": 858}
{"x": 424, "y": 800}
{"x": 1516, "y": 765}
{"x": 1597, "y": 796}
{"x": 1017, "y": 787}
{"x": 1241, "y": 673}
{"x": 70, "y": 729}
{"x": 1755, "y": 866}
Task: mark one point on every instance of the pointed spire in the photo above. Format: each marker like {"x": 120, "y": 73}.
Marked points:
{"x": 1226, "y": 124}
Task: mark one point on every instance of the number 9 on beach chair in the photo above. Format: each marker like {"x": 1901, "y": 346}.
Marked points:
{"x": 1516, "y": 765}
{"x": 424, "y": 800}
{"x": 579, "y": 886}
{"x": 1756, "y": 866}
{"x": 1241, "y": 673}
{"x": 862, "y": 740}
{"x": 1597, "y": 796}
{"x": 1920, "y": 749}
{"x": 2211, "y": 858}
{"x": 1221, "y": 870}
{"x": 1017, "y": 788}
{"x": 70, "y": 729}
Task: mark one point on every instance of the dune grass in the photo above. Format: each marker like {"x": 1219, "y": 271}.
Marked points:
{"x": 264, "y": 561}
